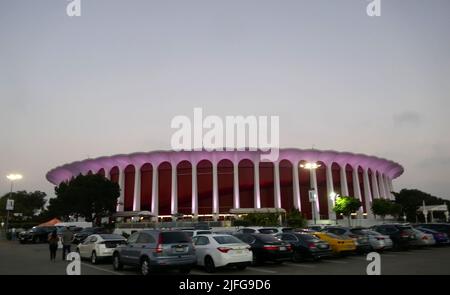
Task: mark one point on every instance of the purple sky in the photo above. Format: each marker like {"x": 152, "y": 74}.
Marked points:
{"x": 111, "y": 80}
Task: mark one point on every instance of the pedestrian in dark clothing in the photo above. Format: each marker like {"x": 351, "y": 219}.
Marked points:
{"x": 53, "y": 245}
{"x": 67, "y": 239}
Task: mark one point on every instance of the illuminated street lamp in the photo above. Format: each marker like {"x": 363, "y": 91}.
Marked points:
{"x": 312, "y": 193}
{"x": 10, "y": 202}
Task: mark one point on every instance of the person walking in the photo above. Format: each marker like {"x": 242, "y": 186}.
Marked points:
{"x": 53, "y": 245}
{"x": 67, "y": 239}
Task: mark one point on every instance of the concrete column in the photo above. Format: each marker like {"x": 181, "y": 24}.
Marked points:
{"x": 375, "y": 190}
{"x": 174, "y": 191}
{"x": 344, "y": 184}
{"x": 236, "y": 186}
{"x": 391, "y": 185}
{"x": 137, "y": 189}
{"x": 367, "y": 194}
{"x": 386, "y": 187}
{"x": 296, "y": 187}
{"x": 313, "y": 183}
{"x": 121, "y": 182}
{"x": 257, "y": 195}
{"x": 194, "y": 191}
{"x": 357, "y": 189}
{"x": 330, "y": 190}
{"x": 155, "y": 192}
{"x": 277, "y": 188}
{"x": 215, "y": 191}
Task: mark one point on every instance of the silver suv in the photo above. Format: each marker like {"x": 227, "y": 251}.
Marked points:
{"x": 155, "y": 249}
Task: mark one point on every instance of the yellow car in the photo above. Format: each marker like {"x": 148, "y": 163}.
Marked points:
{"x": 339, "y": 245}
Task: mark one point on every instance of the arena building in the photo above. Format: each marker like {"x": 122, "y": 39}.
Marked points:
{"x": 207, "y": 185}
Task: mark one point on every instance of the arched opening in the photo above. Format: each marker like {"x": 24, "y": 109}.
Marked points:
{"x": 89, "y": 172}
{"x": 246, "y": 184}
{"x": 321, "y": 175}
{"x": 101, "y": 172}
{"x": 129, "y": 188}
{"x": 225, "y": 182}
{"x": 114, "y": 174}
{"x": 204, "y": 185}
{"x": 266, "y": 184}
{"x": 305, "y": 186}
{"x": 184, "y": 186}
{"x": 164, "y": 188}
{"x": 349, "y": 173}
{"x": 146, "y": 186}
{"x": 286, "y": 185}
{"x": 336, "y": 172}
{"x": 361, "y": 188}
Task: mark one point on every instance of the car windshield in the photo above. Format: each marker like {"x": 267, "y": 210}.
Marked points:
{"x": 357, "y": 231}
{"x": 227, "y": 240}
{"x": 335, "y": 236}
{"x": 372, "y": 233}
{"x": 175, "y": 237}
{"x": 204, "y": 232}
{"x": 267, "y": 238}
{"x": 112, "y": 237}
{"x": 309, "y": 238}
{"x": 268, "y": 230}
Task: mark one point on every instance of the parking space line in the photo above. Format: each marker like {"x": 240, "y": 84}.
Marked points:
{"x": 261, "y": 270}
{"x": 102, "y": 269}
{"x": 302, "y": 265}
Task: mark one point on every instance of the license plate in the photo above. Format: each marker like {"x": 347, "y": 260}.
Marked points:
{"x": 180, "y": 249}
{"x": 238, "y": 251}
{"x": 282, "y": 248}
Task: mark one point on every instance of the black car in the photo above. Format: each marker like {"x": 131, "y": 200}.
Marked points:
{"x": 439, "y": 227}
{"x": 86, "y": 232}
{"x": 306, "y": 246}
{"x": 266, "y": 247}
{"x": 38, "y": 234}
{"x": 401, "y": 235}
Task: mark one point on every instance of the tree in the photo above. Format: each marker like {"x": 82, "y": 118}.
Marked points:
{"x": 346, "y": 206}
{"x": 27, "y": 203}
{"x": 381, "y": 207}
{"x": 295, "y": 219}
{"x": 89, "y": 196}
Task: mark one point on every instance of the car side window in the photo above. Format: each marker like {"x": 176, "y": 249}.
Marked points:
{"x": 133, "y": 238}
{"x": 93, "y": 239}
{"x": 201, "y": 241}
{"x": 248, "y": 230}
{"x": 145, "y": 239}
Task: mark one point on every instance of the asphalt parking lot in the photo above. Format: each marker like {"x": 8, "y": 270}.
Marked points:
{"x": 30, "y": 259}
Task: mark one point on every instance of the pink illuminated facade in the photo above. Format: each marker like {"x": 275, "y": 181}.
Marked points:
{"x": 209, "y": 184}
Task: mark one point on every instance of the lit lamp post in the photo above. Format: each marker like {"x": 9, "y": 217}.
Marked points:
{"x": 10, "y": 202}
{"x": 312, "y": 193}
{"x": 333, "y": 197}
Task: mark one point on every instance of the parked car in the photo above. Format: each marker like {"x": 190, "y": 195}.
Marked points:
{"x": 339, "y": 244}
{"x": 422, "y": 239}
{"x": 80, "y": 236}
{"x": 156, "y": 249}
{"x": 361, "y": 239}
{"x": 38, "y": 234}
{"x": 401, "y": 235}
{"x": 439, "y": 227}
{"x": 266, "y": 247}
{"x": 440, "y": 238}
{"x": 97, "y": 247}
{"x": 377, "y": 241}
{"x": 218, "y": 250}
{"x": 264, "y": 230}
{"x": 305, "y": 246}
{"x": 194, "y": 232}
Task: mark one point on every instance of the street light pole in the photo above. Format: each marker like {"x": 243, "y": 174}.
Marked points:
{"x": 12, "y": 178}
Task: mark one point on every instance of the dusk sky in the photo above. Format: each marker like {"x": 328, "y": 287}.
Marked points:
{"x": 111, "y": 80}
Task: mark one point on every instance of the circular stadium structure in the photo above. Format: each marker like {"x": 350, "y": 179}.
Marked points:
{"x": 208, "y": 184}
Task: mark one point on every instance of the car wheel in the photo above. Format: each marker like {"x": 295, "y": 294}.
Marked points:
{"x": 145, "y": 266}
{"x": 94, "y": 257}
{"x": 209, "y": 265}
{"x": 117, "y": 264}
{"x": 185, "y": 270}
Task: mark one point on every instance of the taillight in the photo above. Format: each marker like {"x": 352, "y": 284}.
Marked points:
{"x": 159, "y": 248}
{"x": 311, "y": 245}
{"x": 424, "y": 238}
{"x": 380, "y": 238}
{"x": 289, "y": 247}
{"x": 224, "y": 249}
{"x": 270, "y": 247}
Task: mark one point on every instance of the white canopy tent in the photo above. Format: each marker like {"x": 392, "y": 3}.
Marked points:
{"x": 433, "y": 208}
